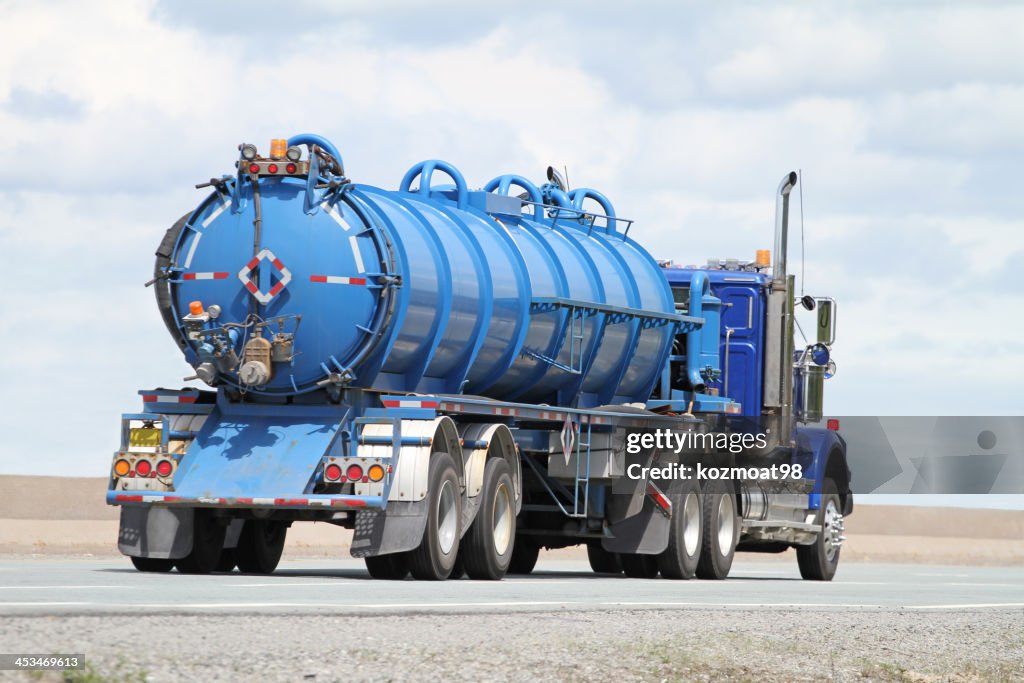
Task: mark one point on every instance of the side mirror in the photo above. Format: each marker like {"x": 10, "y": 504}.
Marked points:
{"x": 830, "y": 370}
{"x": 807, "y": 302}
{"x": 820, "y": 354}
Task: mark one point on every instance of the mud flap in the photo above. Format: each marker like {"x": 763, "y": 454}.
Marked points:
{"x": 158, "y": 532}
{"x": 398, "y": 529}
{"x": 645, "y": 533}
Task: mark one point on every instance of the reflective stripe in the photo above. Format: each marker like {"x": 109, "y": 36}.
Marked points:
{"x": 336, "y": 215}
{"x": 192, "y": 249}
{"x": 337, "y": 280}
{"x": 220, "y": 209}
{"x": 205, "y": 276}
{"x": 355, "y": 252}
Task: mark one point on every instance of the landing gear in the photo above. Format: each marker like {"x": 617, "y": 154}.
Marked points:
{"x": 680, "y": 558}
{"x": 207, "y": 544}
{"x": 487, "y": 547}
{"x": 819, "y": 561}
{"x": 434, "y": 559}
{"x": 260, "y": 546}
{"x": 721, "y": 531}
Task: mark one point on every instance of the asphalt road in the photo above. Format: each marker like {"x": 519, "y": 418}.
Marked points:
{"x": 342, "y": 587}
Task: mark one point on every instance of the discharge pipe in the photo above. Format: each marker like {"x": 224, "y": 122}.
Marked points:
{"x": 782, "y": 229}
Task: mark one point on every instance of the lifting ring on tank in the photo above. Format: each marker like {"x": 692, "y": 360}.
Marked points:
{"x": 425, "y": 169}
{"x": 504, "y": 183}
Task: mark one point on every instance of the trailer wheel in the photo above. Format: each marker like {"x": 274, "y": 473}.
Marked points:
{"x": 721, "y": 531}
{"x": 680, "y": 558}
{"x": 391, "y": 567}
{"x": 524, "y": 556}
{"x": 487, "y": 547}
{"x": 638, "y": 566}
{"x": 434, "y": 559}
{"x": 260, "y": 546}
{"x": 152, "y": 564}
{"x": 819, "y": 561}
{"x": 602, "y": 561}
{"x": 207, "y": 544}
{"x": 227, "y": 560}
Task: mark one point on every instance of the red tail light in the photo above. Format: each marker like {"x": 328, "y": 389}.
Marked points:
{"x": 164, "y": 468}
{"x": 272, "y": 168}
{"x": 833, "y": 425}
{"x": 354, "y": 472}
{"x": 332, "y": 473}
{"x": 143, "y": 468}
{"x": 254, "y": 168}
{"x": 291, "y": 168}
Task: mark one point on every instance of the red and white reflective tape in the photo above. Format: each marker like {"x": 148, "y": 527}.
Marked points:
{"x": 243, "y": 275}
{"x": 219, "y": 275}
{"x": 595, "y": 419}
{"x": 660, "y": 498}
{"x": 337, "y": 280}
{"x": 734, "y": 408}
{"x": 545, "y": 415}
{"x": 169, "y": 398}
{"x": 507, "y": 412}
{"x": 410, "y": 403}
{"x": 454, "y": 407}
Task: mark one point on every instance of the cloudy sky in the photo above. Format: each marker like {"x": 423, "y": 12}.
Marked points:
{"x": 903, "y": 116}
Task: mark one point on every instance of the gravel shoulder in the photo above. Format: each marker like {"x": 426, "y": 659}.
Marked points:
{"x": 856, "y": 645}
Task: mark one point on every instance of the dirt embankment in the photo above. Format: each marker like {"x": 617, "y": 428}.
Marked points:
{"x": 61, "y": 516}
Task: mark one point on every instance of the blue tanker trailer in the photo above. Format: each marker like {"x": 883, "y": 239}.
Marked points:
{"x": 465, "y": 377}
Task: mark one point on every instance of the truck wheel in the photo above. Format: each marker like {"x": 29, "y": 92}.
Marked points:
{"x": 207, "y": 544}
{"x": 524, "y": 556}
{"x": 260, "y": 546}
{"x": 720, "y": 533}
{"x": 227, "y": 560}
{"x": 639, "y": 566}
{"x": 152, "y": 564}
{"x": 602, "y": 561}
{"x": 391, "y": 567}
{"x": 679, "y": 561}
{"x": 487, "y": 547}
{"x": 818, "y": 561}
{"x": 434, "y": 559}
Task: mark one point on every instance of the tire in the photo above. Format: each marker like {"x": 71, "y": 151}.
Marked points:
{"x": 207, "y": 544}
{"x": 721, "y": 530}
{"x": 434, "y": 559}
{"x": 639, "y": 566}
{"x": 152, "y": 564}
{"x": 227, "y": 561}
{"x": 391, "y": 567}
{"x": 602, "y": 561}
{"x": 524, "y": 556}
{"x": 486, "y": 549}
{"x": 260, "y": 546}
{"x": 819, "y": 561}
{"x": 459, "y": 570}
{"x": 680, "y": 558}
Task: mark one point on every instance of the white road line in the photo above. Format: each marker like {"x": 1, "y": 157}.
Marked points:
{"x": 44, "y": 604}
{"x": 46, "y": 587}
{"x": 740, "y": 604}
{"x": 338, "y": 582}
{"x": 941, "y": 575}
{"x": 968, "y": 605}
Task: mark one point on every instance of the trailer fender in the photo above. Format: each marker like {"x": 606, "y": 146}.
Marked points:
{"x": 645, "y": 533}
{"x": 159, "y": 532}
{"x": 480, "y": 442}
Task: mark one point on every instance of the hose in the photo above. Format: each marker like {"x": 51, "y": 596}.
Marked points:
{"x": 160, "y": 278}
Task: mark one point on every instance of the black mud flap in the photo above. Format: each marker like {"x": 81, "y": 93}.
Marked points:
{"x": 158, "y": 532}
{"x": 396, "y": 530}
{"x": 645, "y": 533}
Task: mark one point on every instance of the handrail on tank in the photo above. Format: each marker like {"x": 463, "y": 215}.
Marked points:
{"x": 425, "y": 169}
{"x": 314, "y": 139}
{"x": 581, "y": 194}
{"x": 503, "y": 183}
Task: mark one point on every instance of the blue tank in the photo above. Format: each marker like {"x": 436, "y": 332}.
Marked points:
{"x": 289, "y": 278}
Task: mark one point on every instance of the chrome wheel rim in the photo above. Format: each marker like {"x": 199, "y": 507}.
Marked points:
{"x": 691, "y": 524}
{"x": 447, "y": 517}
{"x": 726, "y": 523}
{"x": 833, "y": 528}
{"x": 502, "y": 516}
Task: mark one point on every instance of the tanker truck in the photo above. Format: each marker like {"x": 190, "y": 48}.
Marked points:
{"x": 464, "y": 377}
